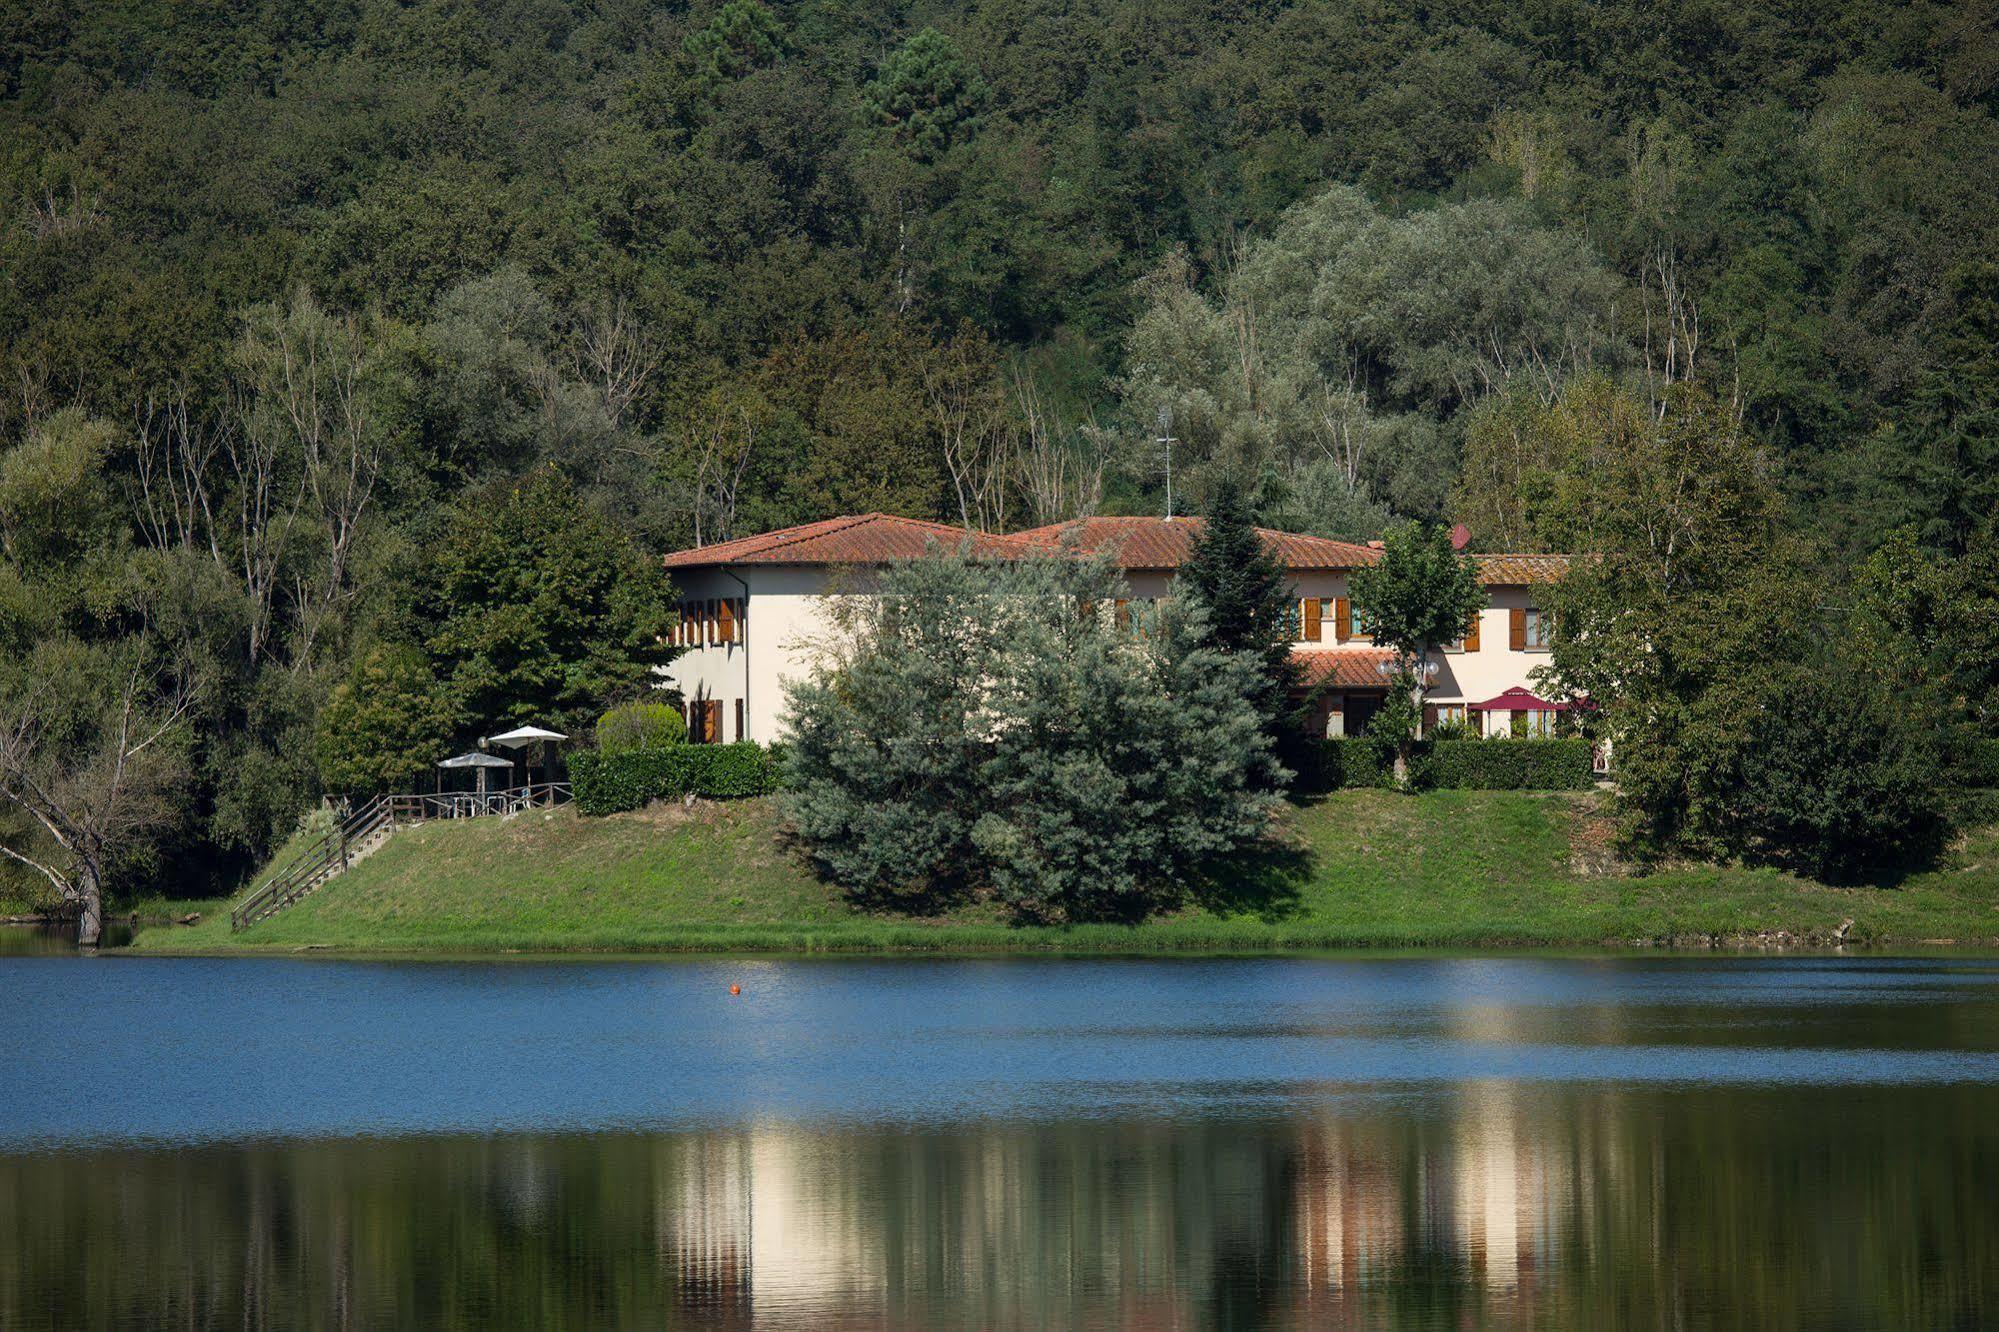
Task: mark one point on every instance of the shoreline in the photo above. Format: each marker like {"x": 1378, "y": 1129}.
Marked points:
{"x": 1360, "y": 871}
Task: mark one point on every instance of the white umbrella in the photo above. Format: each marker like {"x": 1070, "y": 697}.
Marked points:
{"x": 523, "y": 736}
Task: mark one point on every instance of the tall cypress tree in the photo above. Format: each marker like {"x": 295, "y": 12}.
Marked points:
{"x": 1248, "y": 599}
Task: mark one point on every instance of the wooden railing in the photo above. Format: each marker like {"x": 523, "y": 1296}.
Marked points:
{"x": 367, "y": 827}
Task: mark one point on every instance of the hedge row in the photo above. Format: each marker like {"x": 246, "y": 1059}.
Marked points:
{"x": 610, "y": 783}
{"x": 1472, "y": 765}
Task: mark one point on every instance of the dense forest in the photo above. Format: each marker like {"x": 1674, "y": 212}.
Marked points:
{"x": 335, "y": 335}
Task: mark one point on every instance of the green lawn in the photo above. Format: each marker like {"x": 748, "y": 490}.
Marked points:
{"x": 1360, "y": 868}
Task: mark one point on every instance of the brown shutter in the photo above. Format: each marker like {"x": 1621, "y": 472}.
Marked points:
{"x": 1123, "y": 613}
{"x": 725, "y": 621}
{"x": 1517, "y": 628}
{"x": 1471, "y": 633}
{"x": 1312, "y": 624}
{"x": 739, "y": 719}
{"x": 1342, "y": 619}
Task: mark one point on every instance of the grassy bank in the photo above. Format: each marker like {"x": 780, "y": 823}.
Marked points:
{"x": 1360, "y": 868}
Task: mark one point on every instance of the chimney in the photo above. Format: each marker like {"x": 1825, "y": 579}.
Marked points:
{"x": 1460, "y": 537}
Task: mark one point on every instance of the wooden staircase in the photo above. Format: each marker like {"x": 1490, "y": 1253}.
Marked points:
{"x": 364, "y": 830}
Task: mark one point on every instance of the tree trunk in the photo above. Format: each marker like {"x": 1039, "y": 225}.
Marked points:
{"x": 89, "y": 925}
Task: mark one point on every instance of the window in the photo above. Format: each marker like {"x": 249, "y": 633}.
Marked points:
{"x": 704, "y": 721}
{"x": 1535, "y": 626}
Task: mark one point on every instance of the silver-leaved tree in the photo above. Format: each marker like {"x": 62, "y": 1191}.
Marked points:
{"x": 1017, "y": 729}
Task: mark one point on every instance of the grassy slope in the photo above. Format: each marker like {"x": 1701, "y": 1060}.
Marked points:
{"x": 1363, "y": 868}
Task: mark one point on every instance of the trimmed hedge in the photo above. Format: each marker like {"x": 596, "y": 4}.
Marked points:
{"x": 1348, "y": 762}
{"x": 1469, "y": 765}
{"x": 611, "y": 783}
{"x": 1508, "y": 765}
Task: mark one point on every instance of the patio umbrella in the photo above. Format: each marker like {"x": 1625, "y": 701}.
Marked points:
{"x": 523, "y": 736}
{"x": 485, "y": 763}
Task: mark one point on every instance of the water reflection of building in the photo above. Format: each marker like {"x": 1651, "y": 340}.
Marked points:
{"x": 1477, "y": 1196}
{"x": 762, "y": 1223}
{"x": 1470, "y": 1194}
{"x": 705, "y": 1221}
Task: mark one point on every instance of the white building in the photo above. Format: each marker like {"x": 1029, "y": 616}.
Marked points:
{"x": 754, "y": 613}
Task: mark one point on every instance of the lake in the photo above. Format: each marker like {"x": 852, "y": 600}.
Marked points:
{"x": 1431, "y": 1142}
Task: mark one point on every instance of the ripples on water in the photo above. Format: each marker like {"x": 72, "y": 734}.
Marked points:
{"x": 1429, "y": 1142}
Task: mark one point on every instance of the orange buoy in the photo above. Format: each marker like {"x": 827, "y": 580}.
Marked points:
{"x": 735, "y": 989}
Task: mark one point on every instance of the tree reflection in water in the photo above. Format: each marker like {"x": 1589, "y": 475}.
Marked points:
{"x": 1487, "y": 1202}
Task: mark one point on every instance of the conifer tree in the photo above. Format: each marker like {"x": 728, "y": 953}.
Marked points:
{"x": 1247, "y": 597}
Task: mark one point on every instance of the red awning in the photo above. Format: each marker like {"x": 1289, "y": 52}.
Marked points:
{"x": 1517, "y": 699}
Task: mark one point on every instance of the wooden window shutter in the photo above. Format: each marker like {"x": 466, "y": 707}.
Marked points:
{"x": 1123, "y": 613}
{"x": 739, "y": 719}
{"x": 1471, "y": 633}
{"x": 725, "y": 621}
{"x": 1313, "y": 626}
{"x": 711, "y": 722}
{"x": 1517, "y": 628}
{"x": 1342, "y": 619}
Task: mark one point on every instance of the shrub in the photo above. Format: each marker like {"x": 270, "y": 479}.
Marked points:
{"x": 1982, "y": 764}
{"x": 1457, "y": 764}
{"x": 1510, "y": 765}
{"x": 1349, "y": 762}
{"x": 1841, "y": 782}
{"x": 383, "y": 725}
{"x": 611, "y": 783}
{"x": 632, "y": 727}
{"x": 976, "y": 731}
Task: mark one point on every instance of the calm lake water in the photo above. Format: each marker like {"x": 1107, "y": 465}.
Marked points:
{"x": 1432, "y": 1142}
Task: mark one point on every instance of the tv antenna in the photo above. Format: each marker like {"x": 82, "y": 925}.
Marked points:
{"x": 1166, "y": 442}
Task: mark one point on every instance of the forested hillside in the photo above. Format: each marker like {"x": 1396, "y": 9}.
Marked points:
{"x": 336, "y": 336}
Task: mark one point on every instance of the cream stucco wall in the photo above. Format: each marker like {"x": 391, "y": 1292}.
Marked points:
{"x": 789, "y": 622}
{"x": 787, "y": 625}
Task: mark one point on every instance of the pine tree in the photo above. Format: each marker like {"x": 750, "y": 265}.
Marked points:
{"x": 1250, "y": 608}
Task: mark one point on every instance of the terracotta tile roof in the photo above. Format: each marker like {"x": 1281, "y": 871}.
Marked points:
{"x": 1163, "y": 543}
{"x": 1341, "y": 668}
{"x": 1512, "y": 570}
{"x": 868, "y": 538}
{"x": 1138, "y": 543}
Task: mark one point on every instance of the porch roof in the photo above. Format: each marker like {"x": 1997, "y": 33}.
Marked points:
{"x": 1341, "y": 668}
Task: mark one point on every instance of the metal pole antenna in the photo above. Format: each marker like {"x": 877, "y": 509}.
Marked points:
{"x": 1166, "y": 442}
